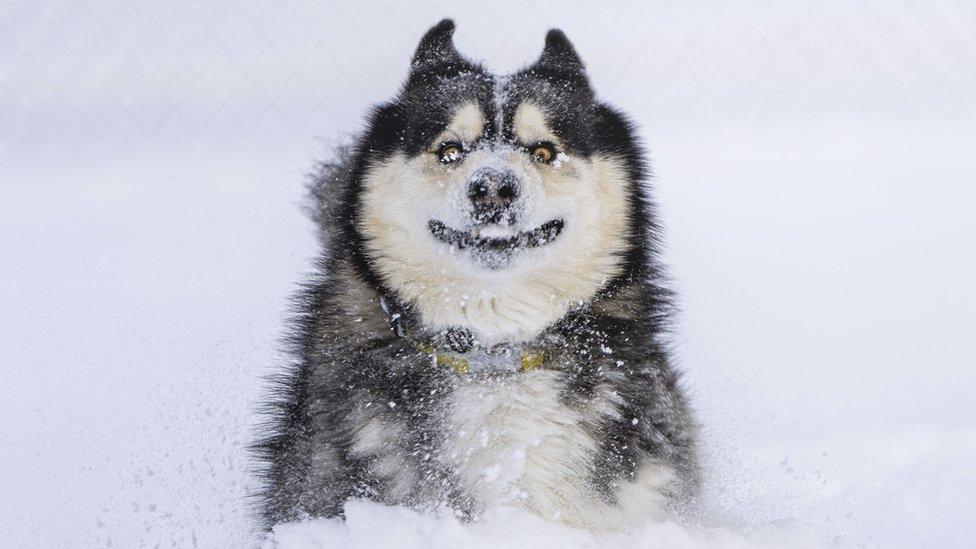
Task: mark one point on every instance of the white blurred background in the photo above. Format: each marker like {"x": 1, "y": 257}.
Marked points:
{"x": 814, "y": 165}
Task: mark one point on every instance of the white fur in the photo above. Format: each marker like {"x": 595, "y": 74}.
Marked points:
{"x": 376, "y": 438}
{"x": 517, "y": 302}
{"x": 513, "y": 442}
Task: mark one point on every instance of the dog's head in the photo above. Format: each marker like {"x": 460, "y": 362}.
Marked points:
{"x": 497, "y": 203}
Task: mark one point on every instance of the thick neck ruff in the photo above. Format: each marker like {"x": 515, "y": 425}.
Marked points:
{"x": 459, "y": 352}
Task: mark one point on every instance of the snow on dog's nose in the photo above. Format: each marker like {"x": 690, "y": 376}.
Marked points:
{"x": 493, "y": 193}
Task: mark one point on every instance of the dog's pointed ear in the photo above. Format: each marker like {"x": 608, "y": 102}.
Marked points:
{"x": 559, "y": 55}
{"x": 437, "y": 46}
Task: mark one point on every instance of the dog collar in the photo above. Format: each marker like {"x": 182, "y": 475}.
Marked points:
{"x": 479, "y": 361}
{"x": 466, "y": 359}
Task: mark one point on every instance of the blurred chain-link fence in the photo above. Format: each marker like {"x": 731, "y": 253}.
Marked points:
{"x": 78, "y": 75}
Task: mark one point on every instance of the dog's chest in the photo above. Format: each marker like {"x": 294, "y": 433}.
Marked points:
{"x": 512, "y": 440}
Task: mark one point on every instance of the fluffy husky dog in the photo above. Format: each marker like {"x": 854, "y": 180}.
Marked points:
{"x": 487, "y": 323}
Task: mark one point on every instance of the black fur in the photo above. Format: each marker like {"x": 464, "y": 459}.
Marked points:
{"x": 309, "y": 412}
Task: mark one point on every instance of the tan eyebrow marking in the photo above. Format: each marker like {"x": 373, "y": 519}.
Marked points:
{"x": 467, "y": 124}
{"x": 531, "y": 126}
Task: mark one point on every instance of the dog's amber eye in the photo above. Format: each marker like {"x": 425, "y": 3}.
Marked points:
{"x": 449, "y": 152}
{"x": 542, "y": 152}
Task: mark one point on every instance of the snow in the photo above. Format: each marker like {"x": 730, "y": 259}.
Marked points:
{"x": 372, "y": 525}
{"x": 814, "y": 171}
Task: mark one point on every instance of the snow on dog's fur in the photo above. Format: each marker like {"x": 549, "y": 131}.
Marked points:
{"x": 486, "y": 325}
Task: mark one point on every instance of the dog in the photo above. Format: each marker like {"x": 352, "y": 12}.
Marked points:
{"x": 487, "y": 321}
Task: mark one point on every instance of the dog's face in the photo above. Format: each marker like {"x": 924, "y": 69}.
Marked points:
{"x": 496, "y": 203}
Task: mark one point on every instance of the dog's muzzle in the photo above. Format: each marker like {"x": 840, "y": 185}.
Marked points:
{"x": 493, "y": 194}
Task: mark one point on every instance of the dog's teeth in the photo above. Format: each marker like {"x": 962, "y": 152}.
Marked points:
{"x": 496, "y": 231}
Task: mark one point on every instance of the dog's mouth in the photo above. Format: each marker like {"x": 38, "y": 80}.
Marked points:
{"x": 493, "y": 238}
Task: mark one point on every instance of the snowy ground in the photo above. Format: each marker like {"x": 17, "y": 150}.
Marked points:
{"x": 814, "y": 166}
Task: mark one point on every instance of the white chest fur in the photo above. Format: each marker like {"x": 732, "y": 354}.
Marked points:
{"x": 513, "y": 442}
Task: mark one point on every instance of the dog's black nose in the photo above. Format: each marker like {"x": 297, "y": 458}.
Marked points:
{"x": 492, "y": 192}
